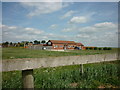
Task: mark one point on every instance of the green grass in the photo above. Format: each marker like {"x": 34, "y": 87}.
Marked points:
{"x": 105, "y": 75}
{"x": 13, "y": 53}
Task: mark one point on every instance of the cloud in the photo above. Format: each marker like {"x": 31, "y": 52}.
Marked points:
{"x": 83, "y": 36}
{"x": 33, "y": 31}
{"x": 78, "y": 19}
{"x": 105, "y": 24}
{"x": 100, "y": 34}
{"x": 68, "y": 14}
{"x": 71, "y": 28}
{"x": 53, "y": 26}
{"x": 14, "y": 33}
{"x": 99, "y": 27}
{"x": 38, "y": 8}
{"x": 67, "y": 30}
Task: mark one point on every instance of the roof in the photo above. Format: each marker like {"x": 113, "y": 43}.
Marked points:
{"x": 62, "y": 42}
{"x": 79, "y": 44}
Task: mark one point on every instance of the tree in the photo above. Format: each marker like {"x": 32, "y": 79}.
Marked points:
{"x": 38, "y": 42}
{"x": 87, "y": 48}
{"x": 21, "y": 44}
{"x": 35, "y": 42}
{"x": 100, "y": 48}
{"x": 11, "y": 43}
{"x": 109, "y": 48}
{"x": 26, "y": 42}
{"x": 105, "y": 48}
{"x": 31, "y": 42}
{"x": 5, "y": 44}
{"x": 95, "y": 48}
{"x": 43, "y": 41}
{"x": 90, "y": 48}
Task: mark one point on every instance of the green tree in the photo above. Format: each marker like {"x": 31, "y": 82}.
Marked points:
{"x": 43, "y": 41}
{"x": 95, "y": 48}
{"x": 90, "y": 48}
{"x": 87, "y": 48}
{"x": 99, "y": 48}
{"x": 11, "y": 43}
{"x": 109, "y": 48}
{"x": 105, "y": 48}
{"x": 35, "y": 42}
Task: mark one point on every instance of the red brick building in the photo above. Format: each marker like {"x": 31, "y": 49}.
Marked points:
{"x": 59, "y": 44}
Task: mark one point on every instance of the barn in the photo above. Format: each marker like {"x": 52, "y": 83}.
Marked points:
{"x": 60, "y": 44}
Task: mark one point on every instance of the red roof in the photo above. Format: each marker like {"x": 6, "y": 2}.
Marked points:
{"x": 62, "y": 42}
{"x": 79, "y": 44}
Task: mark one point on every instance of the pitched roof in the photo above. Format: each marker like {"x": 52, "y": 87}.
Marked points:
{"x": 62, "y": 42}
{"x": 79, "y": 44}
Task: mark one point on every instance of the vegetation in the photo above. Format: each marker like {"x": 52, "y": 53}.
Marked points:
{"x": 22, "y": 43}
{"x": 95, "y": 48}
{"x": 17, "y": 52}
{"x": 99, "y": 75}
{"x": 107, "y": 48}
{"x": 99, "y": 48}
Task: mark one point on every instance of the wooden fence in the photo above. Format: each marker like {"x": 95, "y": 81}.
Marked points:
{"x": 27, "y": 65}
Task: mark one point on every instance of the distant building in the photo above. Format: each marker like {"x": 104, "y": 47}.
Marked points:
{"x": 60, "y": 44}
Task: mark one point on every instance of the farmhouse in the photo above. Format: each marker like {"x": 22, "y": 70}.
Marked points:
{"x": 59, "y": 44}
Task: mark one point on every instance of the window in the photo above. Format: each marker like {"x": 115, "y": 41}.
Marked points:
{"x": 49, "y": 43}
{"x": 55, "y": 46}
{"x": 60, "y": 46}
{"x": 69, "y": 46}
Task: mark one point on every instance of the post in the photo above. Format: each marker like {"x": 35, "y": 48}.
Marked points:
{"x": 28, "y": 80}
{"x": 81, "y": 68}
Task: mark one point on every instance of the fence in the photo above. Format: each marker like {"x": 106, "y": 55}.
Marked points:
{"x": 27, "y": 65}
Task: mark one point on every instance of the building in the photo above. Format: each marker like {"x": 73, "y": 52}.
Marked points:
{"x": 60, "y": 44}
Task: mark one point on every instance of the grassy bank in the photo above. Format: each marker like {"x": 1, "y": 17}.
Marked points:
{"x": 99, "y": 75}
{"x": 13, "y": 53}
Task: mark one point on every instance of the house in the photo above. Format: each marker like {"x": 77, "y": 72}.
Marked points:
{"x": 60, "y": 44}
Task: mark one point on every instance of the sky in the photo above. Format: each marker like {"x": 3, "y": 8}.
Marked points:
{"x": 91, "y": 23}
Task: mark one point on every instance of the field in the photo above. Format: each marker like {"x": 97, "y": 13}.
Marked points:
{"x": 13, "y": 53}
{"x": 99, "y": 75}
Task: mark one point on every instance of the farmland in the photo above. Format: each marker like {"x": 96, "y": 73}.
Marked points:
{"x": 99, "y": 75}
{"x": 96, "y": 75}
{"x": 13, "y": 53}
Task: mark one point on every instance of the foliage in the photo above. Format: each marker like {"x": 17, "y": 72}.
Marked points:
{"x": 105, "y": 48}
{"x": 87, "y": 48}
{"x": 109, "y": 48}
{"x": 97, "y": 75}
{"x": 99, "y": 48}
{"x": 43, "y": 41}
{"x": 90, "y": 48}
{"x": 95, "y": 48}
{"x": 36, "y": 42}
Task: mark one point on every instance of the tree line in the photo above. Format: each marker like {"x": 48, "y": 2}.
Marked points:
{"x": 22, "y": 43}
{"x": 98, "y": 48}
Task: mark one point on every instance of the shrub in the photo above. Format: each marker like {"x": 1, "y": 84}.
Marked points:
{"x": 95, "y": 48}
{"x": 100, "y": 48}
{"x": 105, "y": 48}
{"x": 109, "y": 48}
{"x": 87, "y": 48}
{"x": 90, "y": 48}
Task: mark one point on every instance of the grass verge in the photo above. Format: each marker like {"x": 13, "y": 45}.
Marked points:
{"x": 99, "y": 75}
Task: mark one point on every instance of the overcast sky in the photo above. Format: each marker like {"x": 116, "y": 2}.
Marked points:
{"x": 91, "y": 23}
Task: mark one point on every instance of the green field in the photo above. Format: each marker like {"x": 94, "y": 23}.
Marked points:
{"x": 99, "y": 75}
{"x": 13, "y": 53}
